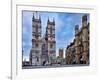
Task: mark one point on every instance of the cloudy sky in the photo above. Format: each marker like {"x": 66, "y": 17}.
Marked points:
{"x": 64, "y": 24}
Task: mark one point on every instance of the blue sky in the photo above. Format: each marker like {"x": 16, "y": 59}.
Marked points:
{"x": 64, "y": 24}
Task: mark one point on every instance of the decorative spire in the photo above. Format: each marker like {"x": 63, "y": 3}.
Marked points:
{"x": 84, "y": 18}
{"x": 36, "y": 15}
{"x": 39, "y": 18}
{"x": 33, "y": 16}
{"x": 48, "y": 19}
{"x": 76, "y": 27}
{"x": 53, "y": 21}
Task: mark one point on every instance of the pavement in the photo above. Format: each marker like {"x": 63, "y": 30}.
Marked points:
{"x": 55, "y": 66}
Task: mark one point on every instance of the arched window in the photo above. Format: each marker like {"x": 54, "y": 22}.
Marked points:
{"x": 36, "y": 44}
{"x": 51, "y": 45}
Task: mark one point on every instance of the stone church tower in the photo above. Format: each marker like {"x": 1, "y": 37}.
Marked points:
{"x": 35, "y": 53}
{"x": 43, "y": 49}
{"x": 77, "y": 46}
{"x": 85, "y": 39}
{"x": 82, "y": 42}
{"x": 51, "y": 43}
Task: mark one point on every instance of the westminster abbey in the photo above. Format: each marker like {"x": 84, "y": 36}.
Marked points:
{"x": 43, "y": 48}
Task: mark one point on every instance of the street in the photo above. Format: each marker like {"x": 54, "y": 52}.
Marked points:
{"x": 55, "y": 66}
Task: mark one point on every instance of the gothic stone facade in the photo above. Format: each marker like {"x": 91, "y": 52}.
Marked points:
{"x": 78, "y": 51}
{"x": 35, "y": 53}
{"x": 43, "y": 49}
{"x": 50, "y": 41}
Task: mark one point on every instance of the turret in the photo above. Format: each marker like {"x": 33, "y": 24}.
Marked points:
{"x": 76, "y": 29}
{"x": 53, "y": 21}
{"x": 39, "y": 18}
{"x": 48, "y": 20}
{"x": 84, "y": 21}
{"x": 33, "y": 17}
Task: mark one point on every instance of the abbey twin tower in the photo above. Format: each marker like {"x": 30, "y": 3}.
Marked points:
{"x": 43, "y": 48}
